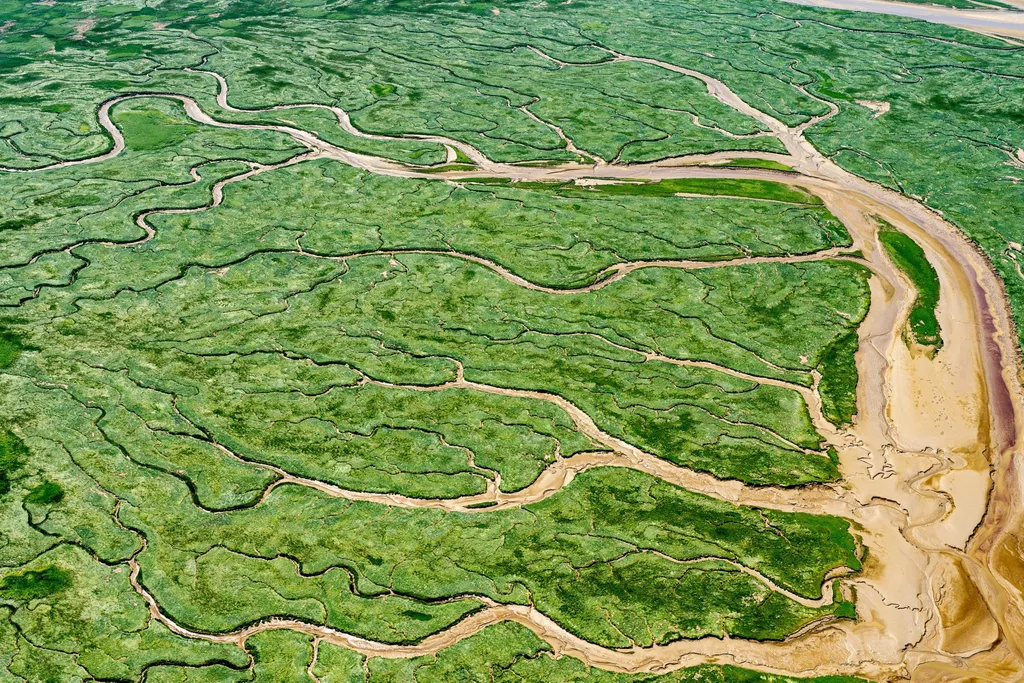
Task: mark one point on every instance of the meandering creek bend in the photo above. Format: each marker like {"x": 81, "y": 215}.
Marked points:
{"x": 929, "y": 475}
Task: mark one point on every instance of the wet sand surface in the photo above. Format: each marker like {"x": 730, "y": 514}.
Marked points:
{"x": 929, "y": 479}
{"x": 991, "y": 21}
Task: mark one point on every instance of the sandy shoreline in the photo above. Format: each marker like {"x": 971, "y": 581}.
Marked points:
{"x": 988, "y": 21}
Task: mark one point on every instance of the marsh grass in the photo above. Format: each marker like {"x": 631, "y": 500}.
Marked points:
{"x": 910, "y": 258}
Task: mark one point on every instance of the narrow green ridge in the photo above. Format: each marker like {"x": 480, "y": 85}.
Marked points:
{"x": 838, "y": 386}
{"x": 757, "y": 163}
{"x": 909, "y": 257}
{"x": 13, "y": 455}
{"x": 714, "y": 187}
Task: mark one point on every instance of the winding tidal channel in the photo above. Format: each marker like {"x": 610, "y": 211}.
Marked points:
{"x": 929, "y": 475}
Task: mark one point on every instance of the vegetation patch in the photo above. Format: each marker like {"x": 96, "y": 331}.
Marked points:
{"x": 652, "y": 546}
{"x": 13, "y": 456}
{"x": 18, "y": 223}
{"x": 46, "y": 493}
{"x": 757, "y": 163}
{"x": 909, "y": 257}
{"x": 11, "y": 345}
{"x": 838, "y": 385}
{"x": 35, "y": 584}
{"x": 752, "y": 189}
{"x": 151, "y": 129}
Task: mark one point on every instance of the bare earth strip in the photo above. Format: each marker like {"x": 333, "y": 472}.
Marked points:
{"x": 928, "y": 468}
{"x": 998, "y": 22}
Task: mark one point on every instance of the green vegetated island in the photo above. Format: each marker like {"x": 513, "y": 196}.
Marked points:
{"x": 244, "y": 383}
{"x": 908, "y": 256}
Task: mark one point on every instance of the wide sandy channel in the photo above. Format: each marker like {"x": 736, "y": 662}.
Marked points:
{"x": 989, "y": 21}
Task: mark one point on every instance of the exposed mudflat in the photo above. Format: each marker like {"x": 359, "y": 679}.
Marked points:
{"x": 929, "y": 478}
{"x": 994, "y": 21}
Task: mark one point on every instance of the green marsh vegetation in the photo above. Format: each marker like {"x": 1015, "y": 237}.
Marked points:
{"x": 220, "y": 330}
{"x": 79, "y": 619}
{"x": 13, "y": 456}
{"x": 460, "y": 78}
{"x": 909, "y": 257}
{"x": 559, "y": 240}
{"x": 838, "y": 385}
{"x": 35, "y": 584}
{"x": 750, "y": 189}
{"x": 412, "y": 566}
{"x": 758, "y": 163}
{"x": 147, "y": 388}
{"x": 407, "y": 318}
